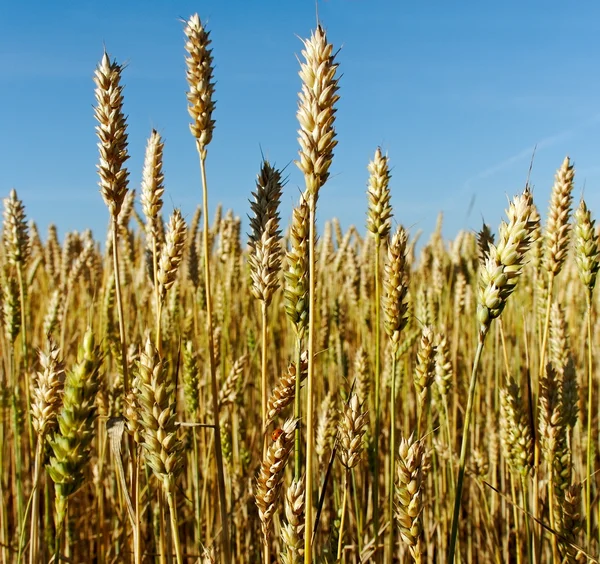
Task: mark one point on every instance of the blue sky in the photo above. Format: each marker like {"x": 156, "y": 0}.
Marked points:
{"x": 456, "y": 93}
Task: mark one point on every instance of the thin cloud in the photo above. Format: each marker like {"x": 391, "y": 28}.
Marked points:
{"x": 527, "y": 152}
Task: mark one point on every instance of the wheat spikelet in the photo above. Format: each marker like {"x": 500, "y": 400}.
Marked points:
{"x": 199, "y": 75}
{"x": 79, "y": 264}
{"x": 395, "y": 287}
{"x": 71, "y": 443}
{"x": 112, "y": 134}
{"x": 229, "y": 244}
{"x": 11, "y": 309}
{"x": 570, "y": 525}
{"x": 562, "y": 361}
{"x": 270, "y": 477}
{"x": 556, "y": 233}
{"x": 587, "y": 247}
{"x": 326, "y": 427}
{"x": 156, "y": 398}
{"x": 515, "y": 430}
{"x": 284, "y": 392}
{"x": 379, "y": 210}
{"x": 171, "y": 254}
{"x": 351, "y": 431}
{"x": 193, "y": 259}
{"x": 316, "y": 112}
{"x": 411, "y": 468}
{"x": 132, "y": 414}
{"x": 53, "y": 317}
{"x": 504, "y": 263}
{"x": 229, "y": 390}
{"x": 443, "y": 366}
{"x": 296, "y": 270}
{"x": 46, "y": 390}
{"x": 265, "y": 247}
{"x": 266, "y": 199}
{"x": 52, "y": 254}
{"x": 153, "y": 189}
{"x": 191, "y": 373}
{"x": 425, "y": 368}
{"x": 15, "y": 231}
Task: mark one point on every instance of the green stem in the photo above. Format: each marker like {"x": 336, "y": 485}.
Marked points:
{"x": 174, "y": 523}
{"x": 60, "y": 521}
{"x": 465, "y": 445}
{"x": 343, "y": 520}
{"x": 35, "y": 505}
{"x": 310, "y": 381}
{"x": 392, "y": 459}
{"x": 263, "y": 371}
{"x": 358, "y": 512}
{"x": 135, "y": 478}
{"x": 515, "y": 505}
{"x": 377, "y": 399}
{"x": 527, "y": 524}
{"x": 588, "y": 472}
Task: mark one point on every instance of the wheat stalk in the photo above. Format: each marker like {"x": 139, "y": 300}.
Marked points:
{"x": 316, "y": 136}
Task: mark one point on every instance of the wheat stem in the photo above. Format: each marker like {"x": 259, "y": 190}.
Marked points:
{"x": 377, "y": 394}
{"x": 392, "y": 458}
{"x": 310, "y": 379}
{"x": 343, "y": 519}
{"x": 588, "y": 467}
{"x": 464, "y": 447}
{"x": 225, "y": 540}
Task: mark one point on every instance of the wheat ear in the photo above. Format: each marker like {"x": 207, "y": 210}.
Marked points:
{"x": 71, "y": 443}
{"x": 270, "y": 477}
{"x": 410, "y": 486}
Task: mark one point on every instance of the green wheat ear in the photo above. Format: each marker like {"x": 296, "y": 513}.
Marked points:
{"x": 71, "y": 444}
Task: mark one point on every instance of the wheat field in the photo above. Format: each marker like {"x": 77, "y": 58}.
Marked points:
{"x": 181, "y": 392}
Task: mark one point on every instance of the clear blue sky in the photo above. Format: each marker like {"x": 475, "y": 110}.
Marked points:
{"x": 457, "y": 94}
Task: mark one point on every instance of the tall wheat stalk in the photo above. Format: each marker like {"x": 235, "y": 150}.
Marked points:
{"x": 316, "y": 115}
{"x": 379, "y": 213}
{"x": 201, "y": 106}
{"x": 265, "y": 257}
{"x": 555, "y": 246}
{"x": 395, "y": 310}
{"x": 497, "y": 280}
{"x": 587, "y": 256}
{"x": 112, "y": 146}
